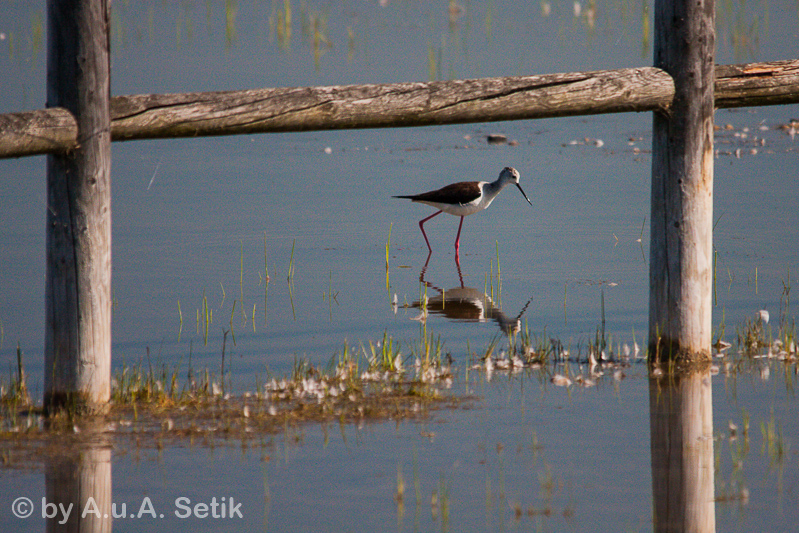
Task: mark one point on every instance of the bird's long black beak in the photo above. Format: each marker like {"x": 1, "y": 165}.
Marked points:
{"x": 525, "y": 196}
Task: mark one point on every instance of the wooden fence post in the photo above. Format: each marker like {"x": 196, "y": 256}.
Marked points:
{"x": 78, "y": 287}
{"x": 681, "y": 240}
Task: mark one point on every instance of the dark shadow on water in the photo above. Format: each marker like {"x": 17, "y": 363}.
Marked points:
{"x": 681, "y": 441}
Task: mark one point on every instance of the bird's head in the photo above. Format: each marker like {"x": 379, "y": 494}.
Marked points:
{"x": 511, "y": 175}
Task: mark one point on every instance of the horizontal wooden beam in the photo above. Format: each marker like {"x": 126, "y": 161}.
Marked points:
{"x": 388, "y": 105}
{"x": 757, "y": 84}
{"x": 37, "y": 132}
{"x": 151, "y": 116}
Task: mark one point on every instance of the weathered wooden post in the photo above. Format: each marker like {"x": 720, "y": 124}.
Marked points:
{"x": 681, "y": 240}
{"x": 78, "y": 299}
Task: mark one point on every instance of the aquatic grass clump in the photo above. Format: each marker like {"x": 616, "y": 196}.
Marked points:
{"x": 383, "y": 359}
{"x": 368, "y": 373}
{"x": 430, "y": 372}
{"x": 429, "y": 348}
{"x": 305, "y": 383}
{"x": 134, "y": 384}
{"x": 346, "y": 367}
{"x": 535, "y": 349}
{"x": 755, "y": 339}
{"x": 152, "y": 404}
{"x": 16, "y": 413}
{"x": 15, "y": 393}
{"x": 372, "y": 381}
{"x": 549, "y": 360}
{"x": 753, "y": 335}
{"x": 427, "y": 361}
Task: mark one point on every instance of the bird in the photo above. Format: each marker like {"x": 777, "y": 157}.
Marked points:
{"x": 464, "y": 198}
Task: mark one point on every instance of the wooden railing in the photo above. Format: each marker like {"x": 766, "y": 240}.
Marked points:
{"x": 153, "y": 116}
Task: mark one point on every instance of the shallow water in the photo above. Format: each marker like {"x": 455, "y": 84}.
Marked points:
{"x": 197, "y": 218}
{"x": 526, "y": 454}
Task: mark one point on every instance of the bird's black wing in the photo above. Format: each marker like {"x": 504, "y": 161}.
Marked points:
{"x": 462, "y": 193}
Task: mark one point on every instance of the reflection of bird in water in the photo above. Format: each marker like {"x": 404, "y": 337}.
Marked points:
{"x": 465, "y": 198}
{"x": 471, "y": 305}
{"x": 467, "y": 304}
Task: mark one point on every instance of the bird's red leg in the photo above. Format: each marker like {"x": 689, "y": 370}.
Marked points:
{"x": 458, "y": 264}
{"x": 421, "y": 226}
{"x": 458, "y": 238}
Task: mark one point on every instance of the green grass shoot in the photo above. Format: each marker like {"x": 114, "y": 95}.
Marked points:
{"x": 241, "y": 283}
{"x": 291, "y": 263}
{"x": 388, "y": 243}
{"x": 232, "y": 332}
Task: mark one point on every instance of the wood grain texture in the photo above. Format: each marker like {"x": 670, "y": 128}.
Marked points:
{"x": 389, "y": 105}
{"x": 681, "y": 228}
{"x": 37, "y": 132}
{"x": 772, "y": 83}
{"x": 78, "y": 279}
{"x": 150, "y": 116}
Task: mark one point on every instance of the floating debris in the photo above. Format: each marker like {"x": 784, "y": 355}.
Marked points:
{"x": 721, "y": 346}
{"x": 560, "y": 380}
{"x": 496, "y": 138}
{"x": 791, "y": 128}
{"x": 599, "y": 143}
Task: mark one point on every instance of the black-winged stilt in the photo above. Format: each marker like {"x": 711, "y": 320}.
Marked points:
{"x": 465, "y": 198}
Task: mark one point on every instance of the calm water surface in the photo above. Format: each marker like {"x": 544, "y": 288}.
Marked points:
{"x": 202, "y": 221}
